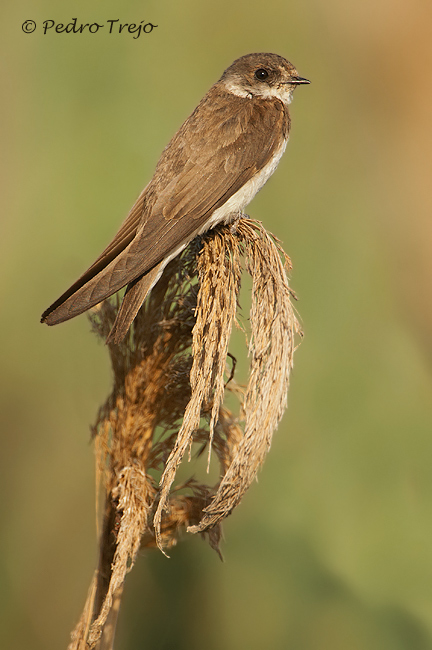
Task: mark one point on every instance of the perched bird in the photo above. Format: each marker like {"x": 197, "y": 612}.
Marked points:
{"x": 214, "y": 165}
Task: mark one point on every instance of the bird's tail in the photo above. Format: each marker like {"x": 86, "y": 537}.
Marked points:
{"x": 133, "y": 299}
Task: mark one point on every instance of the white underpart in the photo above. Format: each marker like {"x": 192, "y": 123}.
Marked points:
{"x": 235, "y": 204}
{"x": 233, "y": 207}
{"x": 284, "y": 92}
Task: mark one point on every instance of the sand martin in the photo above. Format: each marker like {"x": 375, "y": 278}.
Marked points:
{"x": 214, "y": 165}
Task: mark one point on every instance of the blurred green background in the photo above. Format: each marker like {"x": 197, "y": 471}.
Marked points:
{"x": 331, "y": 549}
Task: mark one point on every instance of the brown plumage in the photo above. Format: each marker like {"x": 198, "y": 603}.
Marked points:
{"x": 216, "y": 162}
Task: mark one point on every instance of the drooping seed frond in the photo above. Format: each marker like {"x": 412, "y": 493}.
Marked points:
{"x": 171, "y": 380}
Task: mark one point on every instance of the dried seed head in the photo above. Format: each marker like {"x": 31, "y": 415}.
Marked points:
{"x": 170, "y": 382}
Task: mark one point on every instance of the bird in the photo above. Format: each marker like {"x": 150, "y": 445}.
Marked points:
{"x": 220, "y": 157}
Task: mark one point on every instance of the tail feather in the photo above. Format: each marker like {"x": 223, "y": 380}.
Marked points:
{"x": 92, "y": 287}
{"x": 95, "y": 282}
{"x": 133, "y": 299}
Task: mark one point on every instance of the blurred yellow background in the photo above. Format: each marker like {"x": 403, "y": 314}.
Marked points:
{"x": 332, "y": 548}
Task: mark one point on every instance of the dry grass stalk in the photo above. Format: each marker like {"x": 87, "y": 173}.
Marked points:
{"x": 271, "y": 350}
{"x": 219, "y": 284}
{"x": 168, "y": 396}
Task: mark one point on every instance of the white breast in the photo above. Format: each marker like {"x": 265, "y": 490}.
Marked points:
{"x": 238, "y": 201}
{"x": 231, "y": 209}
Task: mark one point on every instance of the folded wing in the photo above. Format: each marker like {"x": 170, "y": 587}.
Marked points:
{"x": 198, "y": 172}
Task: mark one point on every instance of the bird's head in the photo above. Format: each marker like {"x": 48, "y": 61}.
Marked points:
{"x": 262, "y": 75}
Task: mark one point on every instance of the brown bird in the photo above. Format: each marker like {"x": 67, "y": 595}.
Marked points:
{"x": 215, "y": 164}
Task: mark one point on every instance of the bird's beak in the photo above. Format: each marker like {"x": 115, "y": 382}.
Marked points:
{"x": 296, "y": 81}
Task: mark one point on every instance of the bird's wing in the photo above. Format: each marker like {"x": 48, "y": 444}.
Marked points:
{"x": 134, "y": 297}
{"x": 210, "y": 158}
{"x": 124, "y": 236}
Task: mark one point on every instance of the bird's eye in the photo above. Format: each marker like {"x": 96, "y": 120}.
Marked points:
{"x": 261, "y": 74}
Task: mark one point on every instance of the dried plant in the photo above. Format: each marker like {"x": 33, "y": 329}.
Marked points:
{"x": 171, "y": 378}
